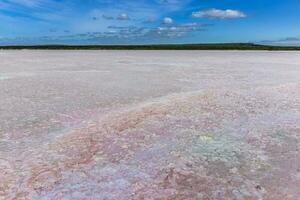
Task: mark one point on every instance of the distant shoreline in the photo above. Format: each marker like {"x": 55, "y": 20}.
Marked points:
{"x": 219, "y": 46}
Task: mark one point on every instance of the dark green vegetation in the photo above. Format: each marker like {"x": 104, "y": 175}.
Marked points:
{"x": 227, "y": 46}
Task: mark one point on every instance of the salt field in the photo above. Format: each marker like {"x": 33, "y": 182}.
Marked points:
{"x": 120, "y": 125}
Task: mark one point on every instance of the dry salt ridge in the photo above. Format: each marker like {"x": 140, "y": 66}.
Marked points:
{"x": 211, "y": 125}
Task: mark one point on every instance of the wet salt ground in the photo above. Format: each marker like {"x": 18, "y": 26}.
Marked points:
{"x": 149, "y": 125}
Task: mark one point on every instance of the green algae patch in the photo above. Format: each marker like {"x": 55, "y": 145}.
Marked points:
{"x": 206, "y": 138}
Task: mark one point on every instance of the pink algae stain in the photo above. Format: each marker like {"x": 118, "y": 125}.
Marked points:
{"x": 81, "y": 146}
{"x": 43, "y": 178}
{"x": 7, "y": 176}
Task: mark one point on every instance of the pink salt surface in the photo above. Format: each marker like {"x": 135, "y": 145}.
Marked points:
{"x": 149, "y": 125}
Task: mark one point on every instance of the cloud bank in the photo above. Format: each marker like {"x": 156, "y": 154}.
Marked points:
{"x": 219, "y": 14}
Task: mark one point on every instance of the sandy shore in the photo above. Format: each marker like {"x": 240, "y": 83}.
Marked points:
{"x": 149, "y": 125}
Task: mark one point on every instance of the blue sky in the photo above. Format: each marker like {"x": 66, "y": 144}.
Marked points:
{"x": 149, "y": 21}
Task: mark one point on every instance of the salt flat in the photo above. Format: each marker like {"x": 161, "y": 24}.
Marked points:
{"x": 149, "y": 125}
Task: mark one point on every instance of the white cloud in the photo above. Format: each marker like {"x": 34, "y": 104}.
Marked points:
{"x": 123, "y": 16}
{"x": 219, "y": 14}
{"x": 167, "y": 21}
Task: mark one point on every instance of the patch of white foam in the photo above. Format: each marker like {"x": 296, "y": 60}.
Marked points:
{"x": 7, "y": 76}
{"x": 4, "y": 77}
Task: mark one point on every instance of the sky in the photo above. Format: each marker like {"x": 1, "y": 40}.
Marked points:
{"x": 149, "y": 21}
